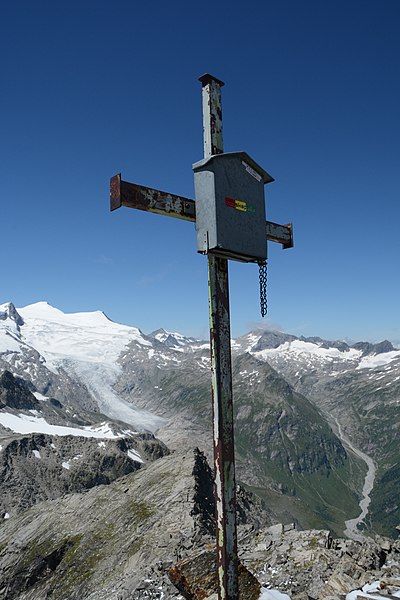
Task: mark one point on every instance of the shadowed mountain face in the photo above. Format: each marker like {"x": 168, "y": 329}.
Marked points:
{"x": 115, "y": 541}
{"x": 358, "y": 388}
{"x": 285, "y": 450}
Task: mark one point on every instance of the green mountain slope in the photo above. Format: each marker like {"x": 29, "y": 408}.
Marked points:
{"x": 285, "y": 450}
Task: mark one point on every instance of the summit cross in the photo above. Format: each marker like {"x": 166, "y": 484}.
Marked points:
{"x": 222, "y": 169}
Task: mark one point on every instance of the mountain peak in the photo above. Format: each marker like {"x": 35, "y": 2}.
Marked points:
{"x": 158, "y": 332}
{"x": 380, "y": 348}
{"x": 40, "y": 310}
{"x": 8, "y": 311}
{"x": 44, "y": 311}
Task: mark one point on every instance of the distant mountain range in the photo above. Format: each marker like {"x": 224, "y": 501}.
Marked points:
{"x": 314, "y": 419}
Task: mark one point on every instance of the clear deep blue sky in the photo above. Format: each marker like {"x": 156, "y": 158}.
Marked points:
{"x": 90, "y": 89}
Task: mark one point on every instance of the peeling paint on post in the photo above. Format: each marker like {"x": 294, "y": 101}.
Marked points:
{"x": 221, "y": 371}
{"x": 123, "y": 193}
{"x": 212, "y": 115}
{"x": 224, "y": 460}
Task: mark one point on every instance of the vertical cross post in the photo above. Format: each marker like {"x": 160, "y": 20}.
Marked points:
{"x": 221, "y": 370}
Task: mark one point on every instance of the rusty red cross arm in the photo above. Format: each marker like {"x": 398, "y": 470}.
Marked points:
{"x": 123, "y": 193}
{"x": 132, "y": 195}
{"x": 283, "y": 234}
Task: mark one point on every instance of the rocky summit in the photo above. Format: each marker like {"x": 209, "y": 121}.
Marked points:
{"x": 123, "y": 540}
{"x": 307, "y": 565}
{"x": 116, "y": 541}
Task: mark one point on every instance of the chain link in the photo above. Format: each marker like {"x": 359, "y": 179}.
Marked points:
{"x": 262, "y": 274}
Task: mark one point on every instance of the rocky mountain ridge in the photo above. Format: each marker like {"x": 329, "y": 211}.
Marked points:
{"x": 120, "y": 541}
{"x": 95, "y": 507}
{"x": 359, "y": 395}
{"x": 100, "y": 371}
{"x": 112, "y": 541}
{"x": 302, "y": 565}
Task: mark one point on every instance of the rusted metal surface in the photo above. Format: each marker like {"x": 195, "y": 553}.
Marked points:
{"x": 221, "y": 373}
{"x": 132, "y": 195}
{"x": 123, "y": 193}
{"x": 196, "y": 577}
{"x": 283, "y": 234}
{"x": 115, "y": 194}
{"x": 212, "y": 115}
{"x": 224, "y": 453}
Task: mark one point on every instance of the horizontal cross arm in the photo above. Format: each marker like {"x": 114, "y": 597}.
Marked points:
{"x": 132, "y": 195}
{"x": 283, "y": 234}
{"x": 123, "y": 193}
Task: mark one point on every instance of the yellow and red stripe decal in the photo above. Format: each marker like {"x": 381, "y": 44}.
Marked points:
{"x": 240, "y": 205}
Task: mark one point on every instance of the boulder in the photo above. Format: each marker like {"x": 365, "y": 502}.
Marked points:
{"x": 196, "y": 578}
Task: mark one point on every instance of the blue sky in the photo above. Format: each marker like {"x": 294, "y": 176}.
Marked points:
{"x": 312, "y": 92}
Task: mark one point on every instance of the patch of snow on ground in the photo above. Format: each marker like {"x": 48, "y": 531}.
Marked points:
{"x": 6, "y": 516}
{"x": 134, "y": 456}
{"x": 66, "y": 465}
{"x": 204, "y": 362}
{"x": 167, "y": 358}
{"x": 104, "y": 429}
{"x": 29, "y": 424}
{"x": 267, "y": 594}
{"x": 129, "y": 432}
{"x": 372, "y": 587}
{"x": 206, "y": 346}
{"x": 309, "y": 351}
{"x": 40, "y": 397}
{"x": 365, "y": 593}
{"x": 378, "y": 360}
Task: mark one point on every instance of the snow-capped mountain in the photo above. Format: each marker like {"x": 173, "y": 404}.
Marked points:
{"x": 357, "y": 388}
{"x": 306, "y": 408}
{"x": 42, "y": 344}
{"x": 56, "y": 376}
{"x": 275, "y": 346}
{"x": 174, "y": 340}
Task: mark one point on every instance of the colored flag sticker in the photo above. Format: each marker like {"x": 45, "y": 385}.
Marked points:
{"x": 240, "y": 205}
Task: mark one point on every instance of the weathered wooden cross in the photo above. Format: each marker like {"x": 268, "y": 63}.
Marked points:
{"x": 230, "y": 224}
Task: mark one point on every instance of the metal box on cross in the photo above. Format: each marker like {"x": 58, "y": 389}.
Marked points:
{"x": 230, "y": 207}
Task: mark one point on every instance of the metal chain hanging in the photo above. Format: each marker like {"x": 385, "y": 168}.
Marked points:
{"x": 262, "y": 273}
